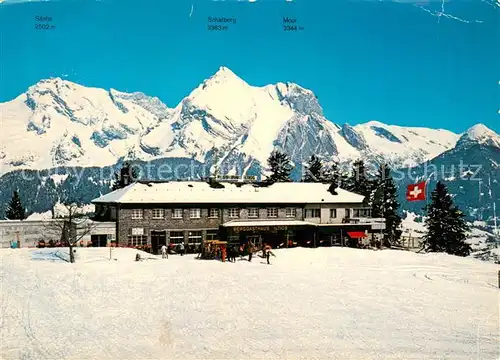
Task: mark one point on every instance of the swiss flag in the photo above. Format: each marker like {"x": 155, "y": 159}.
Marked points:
{"x": 416, "y": 192}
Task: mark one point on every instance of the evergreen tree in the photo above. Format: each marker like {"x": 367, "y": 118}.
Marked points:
{"x": 15, "y": 209}
{"x": 385, "y": 204}
{"x": 358, "y": 182}
{"x": 314, "y": 170}
{"x": 343, "y": 180}
{"x": 126, "y": 176}
{"x": 446, "y": 227}
{"x": 280, "y": 167}
{"x": 330, "y": 174}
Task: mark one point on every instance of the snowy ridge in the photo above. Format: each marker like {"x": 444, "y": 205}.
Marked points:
{"x": 224, "y": 120}
{"x": 410, "y": 145}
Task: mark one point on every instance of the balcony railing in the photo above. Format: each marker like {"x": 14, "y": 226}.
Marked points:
{"x": 364, "y": 220}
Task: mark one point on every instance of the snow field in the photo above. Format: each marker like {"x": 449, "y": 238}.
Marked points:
{"x": 326, "y": 303}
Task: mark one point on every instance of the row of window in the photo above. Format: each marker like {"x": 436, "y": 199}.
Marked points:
{"x": 195, "y": 213}
{"x": 315, "y": 213}
{"x": 137, "y": 237}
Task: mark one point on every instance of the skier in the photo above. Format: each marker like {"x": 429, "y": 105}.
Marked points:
{"x": 181, "y": 248}
{"x": 164, "y": 254}
{"x": 266, "y": 251}
{"x": 234, "y": 253}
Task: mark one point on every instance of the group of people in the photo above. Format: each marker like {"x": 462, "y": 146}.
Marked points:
{"x": 249, "y": 248}
{"x": 222, "y": 251}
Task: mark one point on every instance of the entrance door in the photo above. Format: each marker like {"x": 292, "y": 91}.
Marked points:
{"x": 99, "y": 240}
{"x": 158, "y": 239}
{"x": 273, "y": 238}
{"x": 255, "y": 239}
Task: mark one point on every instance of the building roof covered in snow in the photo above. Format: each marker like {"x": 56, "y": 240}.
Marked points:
{"x": 199, "y": 192}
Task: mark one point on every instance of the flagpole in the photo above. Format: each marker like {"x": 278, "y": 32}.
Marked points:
{"x": 427, "y": 191}
{"x": 480, "y": 210}
{"x": 494, "y": 210}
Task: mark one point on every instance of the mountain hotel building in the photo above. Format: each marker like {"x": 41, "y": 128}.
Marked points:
{"x": 281, "y": 214}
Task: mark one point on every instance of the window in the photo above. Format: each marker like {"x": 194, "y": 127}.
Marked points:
{"x": 137, "y": 231}
{"x": 177, "y": 214}
{"x": 253, "y": 212}
{"x": 113, "y": 213}
{"x": 333, "y": 213}
{"x": 312, "y": 213}
{"x": 213, "y": 213}
{"x": 137, "y": 237}
{"x": 137, "y": 240}
{"x": 194, "y": 237}
{"x": 194, "y": 213}
{"x": 212, "y": 235}
{"x": 158, "y": 213}
{"x": 361, "y": 212}
{"x": 137, "y": 214}
{"x": 233, "y": 239}
{"x": 234, "y": 212}
{"x": 291, "y": 212}
{"x": 176, "y": 237}
{"x": 347, "y": 213}
{"x": 272, "y": 212}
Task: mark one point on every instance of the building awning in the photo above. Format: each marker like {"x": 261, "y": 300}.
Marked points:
{"x": 356, "y": 234}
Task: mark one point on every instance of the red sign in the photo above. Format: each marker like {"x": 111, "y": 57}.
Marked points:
{"x": 356, "y": 234}
{"x": 416, "y": 192}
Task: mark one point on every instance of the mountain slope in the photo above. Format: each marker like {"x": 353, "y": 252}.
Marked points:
{"x": 410, "y": 145}
{"x": 471, "y": 170}
{"x": 223, "y": 121}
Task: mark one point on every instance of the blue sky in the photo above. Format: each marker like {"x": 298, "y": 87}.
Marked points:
{"x": 365, "y": 60}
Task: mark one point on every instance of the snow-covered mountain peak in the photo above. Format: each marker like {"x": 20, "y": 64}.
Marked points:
{"x": 480, "y": 131}
{"x": 224, "y": 120}
{"x": 375, "y": 123}
{"x": 225, "y": 77}
{"x": 479, "y": 134}
{"x": 55, "y": 85}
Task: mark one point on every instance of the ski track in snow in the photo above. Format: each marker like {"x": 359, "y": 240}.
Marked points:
{"x": 330, "y": 303}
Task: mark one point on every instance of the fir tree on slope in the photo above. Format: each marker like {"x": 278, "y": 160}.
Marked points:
{"x": 126, "y": 176}
{"x": 358, "y": 182}
{"x": 280, "y": 167}
{"x": 446, "y": 226}
{"x": 15, "y": 209}
{"x": 331, "y": 174}
{"x": 343, "y": 180}
{"x": 385, "y": 204}
{"x": 314, "y": 170}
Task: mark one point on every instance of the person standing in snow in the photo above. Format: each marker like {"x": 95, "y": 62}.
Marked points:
{"x": 181, "y": 249}
{"x": 250, "y": 250}
{"x": 266, "y": 252}
{"x": 234, "y": 253}
{"x": 164, "y": 254}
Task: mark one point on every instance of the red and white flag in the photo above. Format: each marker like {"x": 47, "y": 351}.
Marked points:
{"x": 416, "y": 192}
